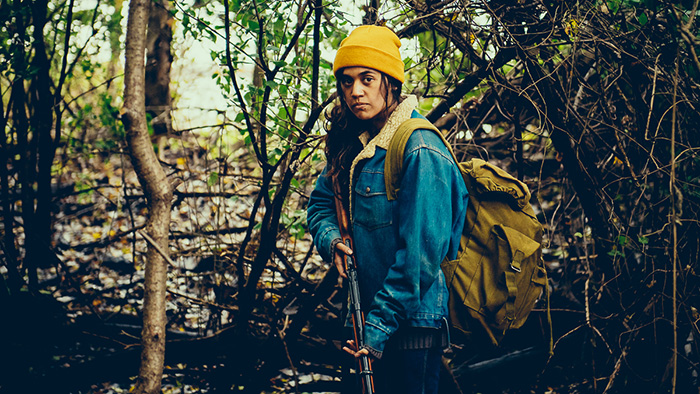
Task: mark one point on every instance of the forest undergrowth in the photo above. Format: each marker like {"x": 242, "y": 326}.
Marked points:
{"x": 594, "y": 104}
{"x": 92, "y": 292}
{"x": 87, "y": 320}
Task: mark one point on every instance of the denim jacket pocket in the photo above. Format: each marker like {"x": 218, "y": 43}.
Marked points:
{"x": 372, "y": 210}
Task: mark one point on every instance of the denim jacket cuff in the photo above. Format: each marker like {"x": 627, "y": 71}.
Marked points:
{"x": 376, "y": 354}
{"x": 327, "y": 243}
{"x": 375, "y": 339}
{"x": 334, "y": 244}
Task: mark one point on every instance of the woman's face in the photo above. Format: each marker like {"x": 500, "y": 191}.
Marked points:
{"x": 364, "y": 92}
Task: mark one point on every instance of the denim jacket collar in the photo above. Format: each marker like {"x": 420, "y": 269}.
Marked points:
{"x": 401, "y": 113}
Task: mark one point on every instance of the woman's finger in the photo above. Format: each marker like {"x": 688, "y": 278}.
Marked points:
{"x": 340, "y": 265}
{"x": 344, "y": 248}
{"x": 356, "y": 354}
{"x": 341, "y": 250}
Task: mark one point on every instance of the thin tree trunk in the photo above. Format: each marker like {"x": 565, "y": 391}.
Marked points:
{"x": 371, "y": 13}
{"x": 159, "y": 196}
{"x": 316, "y": 55}
{"x": 39, "y": 241}
{"x": 673, "y": 219}
{"x": 14, "y": 282}
{"x": 20, "y": 124}
{"x": 115, "y": 48}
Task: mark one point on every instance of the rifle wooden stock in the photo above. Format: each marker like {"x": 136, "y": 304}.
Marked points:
{"x": 358, "y": 318}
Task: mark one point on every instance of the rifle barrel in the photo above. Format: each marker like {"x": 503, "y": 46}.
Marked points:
{"x": 358, "y": 318}
{"x": 358, "y": 322}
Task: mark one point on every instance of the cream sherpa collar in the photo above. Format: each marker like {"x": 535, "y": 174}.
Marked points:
{"x": 401, "y": 113}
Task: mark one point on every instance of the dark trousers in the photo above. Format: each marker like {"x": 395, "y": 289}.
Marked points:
{"x": 408, "y": 371}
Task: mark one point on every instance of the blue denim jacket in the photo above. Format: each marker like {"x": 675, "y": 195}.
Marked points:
{"x": 399, "y": 244}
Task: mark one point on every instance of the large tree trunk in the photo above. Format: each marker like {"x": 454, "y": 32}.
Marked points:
{"x": 158, "y": 61}
{"x": 159, "y": 196}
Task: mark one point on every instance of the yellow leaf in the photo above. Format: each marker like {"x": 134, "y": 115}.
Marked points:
{"x": 97, "y": 235}
{"x": 571, "y": 28}
{"x": 451, "y": 17}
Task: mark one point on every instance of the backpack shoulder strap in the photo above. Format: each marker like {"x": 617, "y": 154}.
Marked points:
{"x": 393, "y": 164}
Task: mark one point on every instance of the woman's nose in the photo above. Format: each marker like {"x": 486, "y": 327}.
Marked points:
{"x": 357, "y": 90}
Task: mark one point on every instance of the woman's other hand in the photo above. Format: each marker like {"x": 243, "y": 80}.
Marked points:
{"x": 341, "y": 250}
{"x": 351, "y": 349}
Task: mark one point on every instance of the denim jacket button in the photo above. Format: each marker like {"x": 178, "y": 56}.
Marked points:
{"x": 368, "y": 189}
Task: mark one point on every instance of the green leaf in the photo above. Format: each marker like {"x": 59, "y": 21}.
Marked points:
{"x": 615, "y": 253}
{"x": 643, "y": 19}
{"x": 213, "y": 179}
{"x": 283, "y": 131}
{"x": 643, "y": 240}
{"x": 298, "y": 232}
{"x": 327, "y": 32}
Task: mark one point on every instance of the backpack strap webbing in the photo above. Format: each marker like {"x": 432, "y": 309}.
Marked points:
{"x": 393, "y": 164}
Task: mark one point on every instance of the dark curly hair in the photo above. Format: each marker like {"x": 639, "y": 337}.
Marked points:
{"x": 343, "y": 130}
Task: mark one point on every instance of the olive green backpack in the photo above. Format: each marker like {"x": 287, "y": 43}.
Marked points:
{"x": 499, "y": 273}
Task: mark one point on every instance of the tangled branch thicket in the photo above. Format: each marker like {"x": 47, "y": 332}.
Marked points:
{"x": 594, "y": 104}
{"x": 597, "y": 106}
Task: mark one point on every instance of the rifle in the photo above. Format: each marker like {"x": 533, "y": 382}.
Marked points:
{"x": 358, "y": 318}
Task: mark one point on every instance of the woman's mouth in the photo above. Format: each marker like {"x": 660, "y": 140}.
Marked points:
{"x": 359, "y": 106}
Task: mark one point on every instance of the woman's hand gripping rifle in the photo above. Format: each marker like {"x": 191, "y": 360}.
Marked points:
{"x": 358, "y": 318}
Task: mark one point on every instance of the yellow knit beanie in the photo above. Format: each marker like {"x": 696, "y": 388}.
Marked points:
{"x": 371, "y": 46}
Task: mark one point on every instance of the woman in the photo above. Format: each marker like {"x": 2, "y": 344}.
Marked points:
{"x": 399, "y": 244}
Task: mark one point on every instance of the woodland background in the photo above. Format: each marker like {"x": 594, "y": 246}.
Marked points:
{"x": 153, "y": 238}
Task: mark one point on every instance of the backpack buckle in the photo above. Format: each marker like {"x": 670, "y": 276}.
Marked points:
{"x": 515, "y": 265}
